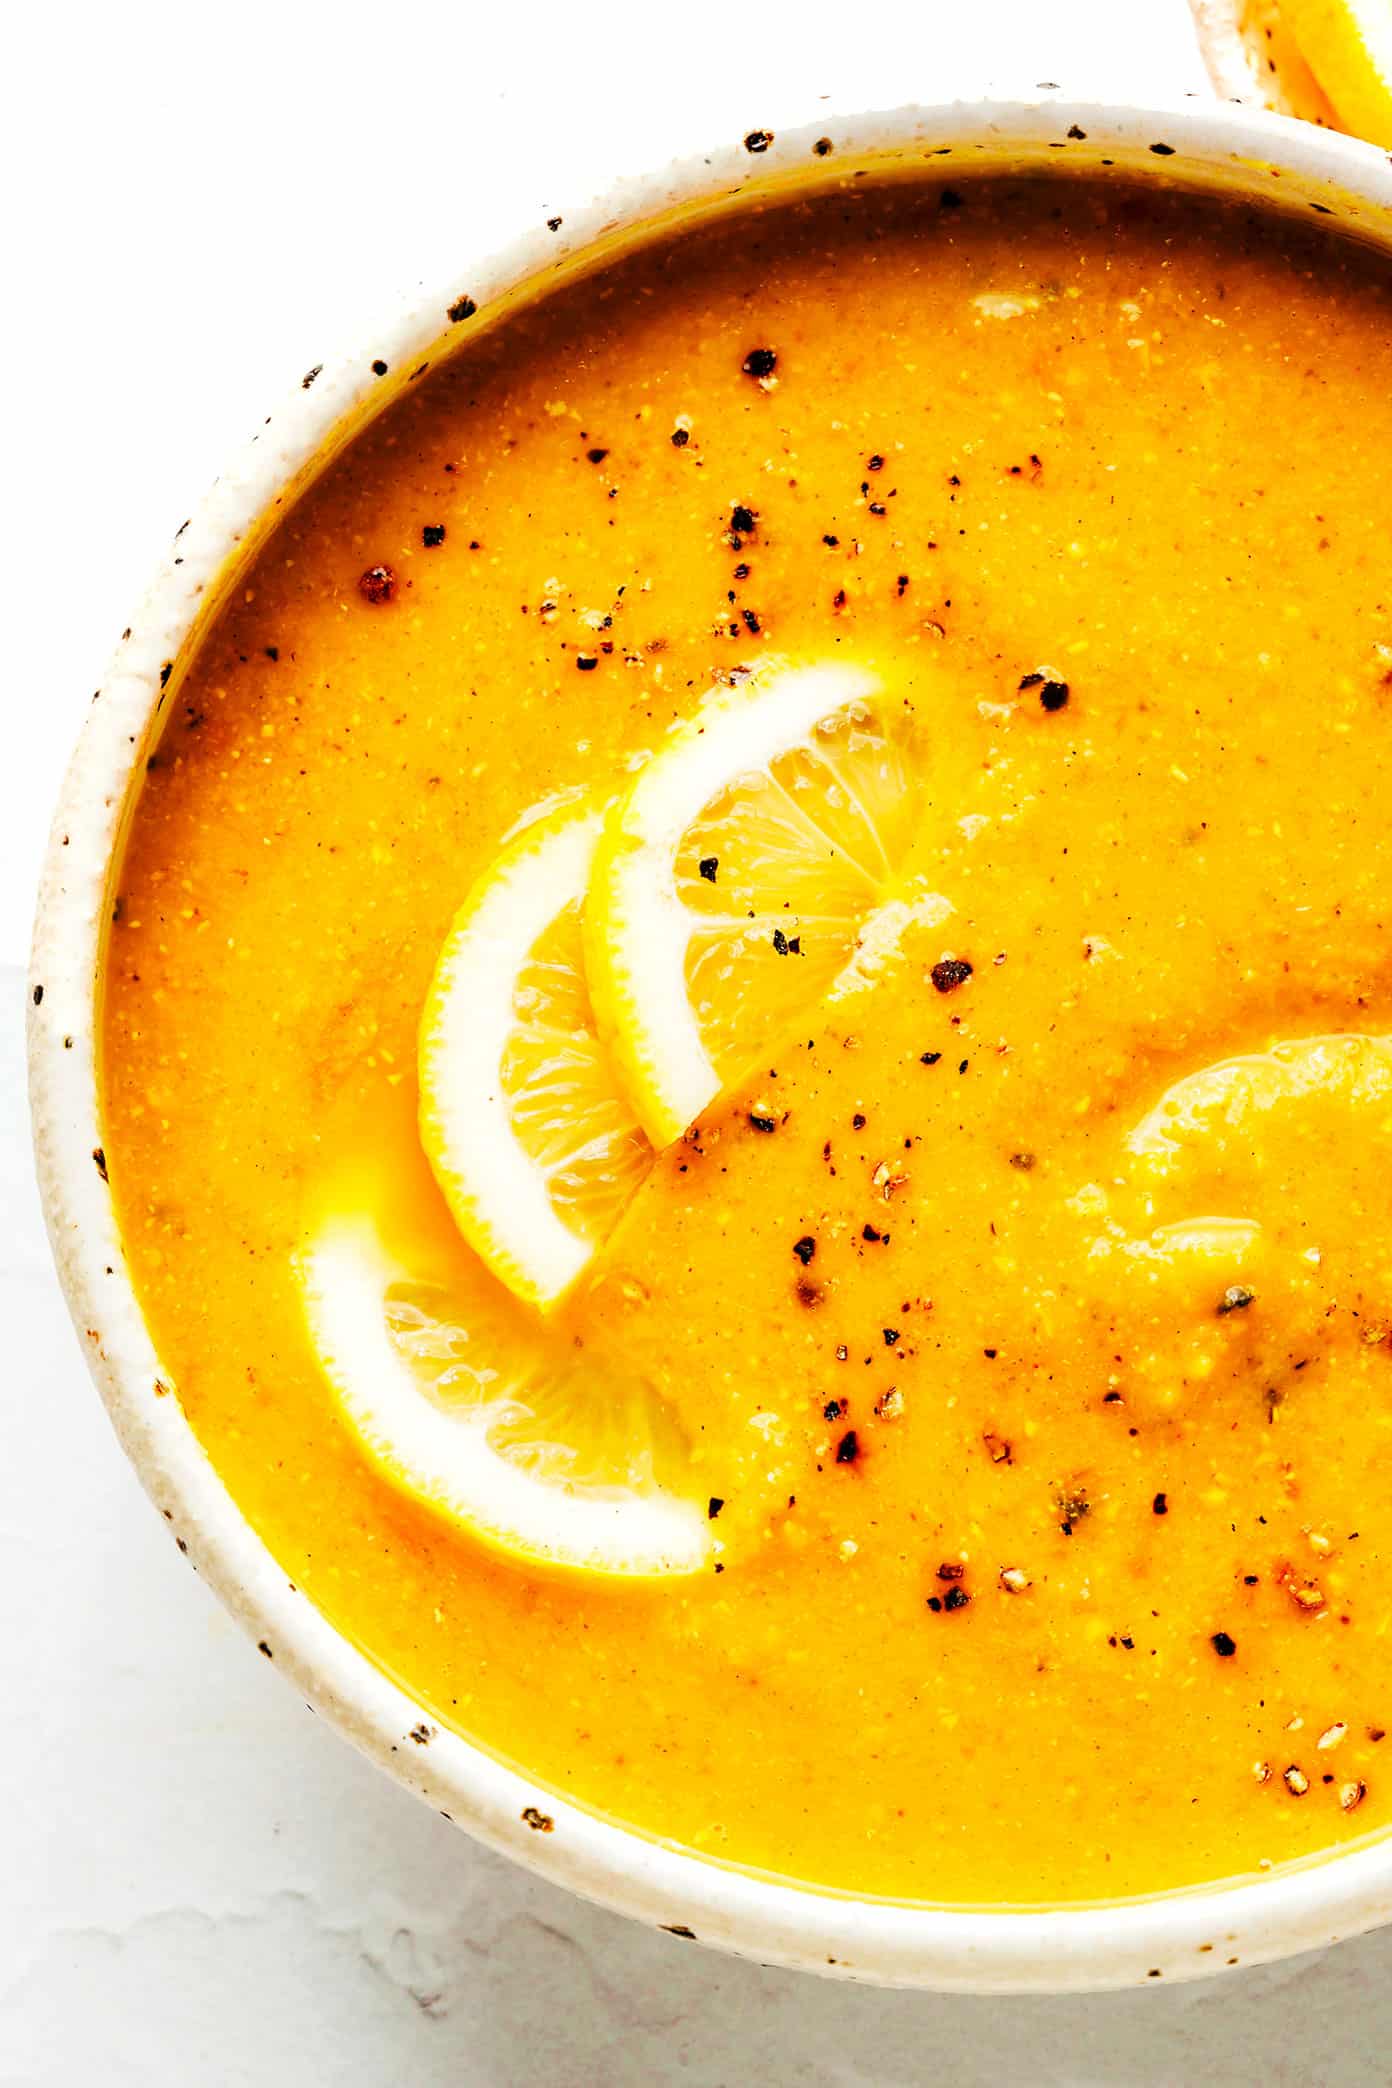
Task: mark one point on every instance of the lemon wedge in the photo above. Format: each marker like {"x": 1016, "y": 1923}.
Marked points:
{"x": 732, "y": 884}
{"x": 525, "y": 1128}
{"x": 475, "y": 1407}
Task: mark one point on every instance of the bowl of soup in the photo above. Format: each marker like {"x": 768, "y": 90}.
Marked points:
{"x": 712, "y": 1045}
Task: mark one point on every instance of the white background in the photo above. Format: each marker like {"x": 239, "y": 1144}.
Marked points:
{"x": 198, "y": 1884}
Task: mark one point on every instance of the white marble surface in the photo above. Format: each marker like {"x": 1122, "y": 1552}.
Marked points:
{"x": 198, "y": 1884}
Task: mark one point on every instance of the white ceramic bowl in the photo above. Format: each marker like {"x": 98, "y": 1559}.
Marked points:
{"x": 1172, "y": 1936}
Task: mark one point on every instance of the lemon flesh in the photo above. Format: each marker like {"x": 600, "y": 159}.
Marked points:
{"x": 526, "y": 1130}
{"x": 733, "y": 884}
{"x": 479, "y": 1410}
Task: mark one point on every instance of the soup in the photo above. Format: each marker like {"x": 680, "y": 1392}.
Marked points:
{"x": 924, "y": 654}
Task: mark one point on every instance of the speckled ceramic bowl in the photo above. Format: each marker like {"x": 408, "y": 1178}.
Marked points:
{"x": 1174, "y": 1936}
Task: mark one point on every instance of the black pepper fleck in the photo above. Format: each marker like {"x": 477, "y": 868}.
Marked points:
{"x": 377, "y": 585}
{"x": 760, "y": 362}
{"x": 1223, "y": 1645}
{"x": 951, "y": 972}
{"x": 1073, "y": 1505}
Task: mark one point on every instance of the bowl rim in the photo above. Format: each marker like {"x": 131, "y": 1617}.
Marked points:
{"x": 1013, "y": 1949}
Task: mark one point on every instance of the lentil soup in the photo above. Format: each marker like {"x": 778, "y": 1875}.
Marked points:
{"x": 1026, "y": 1310}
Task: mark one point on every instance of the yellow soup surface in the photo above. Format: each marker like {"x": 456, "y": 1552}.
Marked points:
{"x": 1056, "y": 1478}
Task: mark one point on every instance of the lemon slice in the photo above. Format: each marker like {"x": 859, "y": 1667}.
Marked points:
{"x": 1348, "y": 47}
{"x": 1329, "y": 61}
{"x": 1208, "y": 1301}
{"x": 1252, "y": 56}
{"x": 1211, "y": 1116}
{"x": 468, "y": 1402}
{"x": 731, "y": 885}
{"x": 526, "y": 1130}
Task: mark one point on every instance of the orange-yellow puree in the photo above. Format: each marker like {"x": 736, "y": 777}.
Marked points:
{"x": 1141, "y": 444}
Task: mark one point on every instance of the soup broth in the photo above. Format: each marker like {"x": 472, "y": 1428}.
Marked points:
{"x": 1031, "y": 1307}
